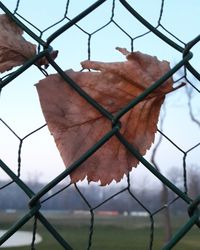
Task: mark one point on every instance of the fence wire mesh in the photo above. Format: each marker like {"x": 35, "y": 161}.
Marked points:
{"x": 83, "y": 26}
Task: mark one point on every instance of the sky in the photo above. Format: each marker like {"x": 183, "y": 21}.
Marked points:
{"x": 19, "y": 103}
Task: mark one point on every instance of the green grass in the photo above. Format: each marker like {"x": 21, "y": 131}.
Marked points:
{"x": 110, "y": 233}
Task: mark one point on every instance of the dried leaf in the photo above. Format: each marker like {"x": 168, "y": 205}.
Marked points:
{"x": 14, "y": 49}
{"x": 76, "y": 125}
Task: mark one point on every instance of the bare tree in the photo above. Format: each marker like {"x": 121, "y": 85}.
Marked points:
{"x": 164, "y": 197}
{"x": 193, "y": 181}
{"x": 194, "y": 172}
{"x": 189, "y": 91}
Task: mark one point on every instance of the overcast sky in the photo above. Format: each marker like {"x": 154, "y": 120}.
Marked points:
{"x": 20, "y": 107}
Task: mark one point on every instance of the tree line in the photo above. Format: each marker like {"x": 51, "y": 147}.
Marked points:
{"x": 111, "y": 198}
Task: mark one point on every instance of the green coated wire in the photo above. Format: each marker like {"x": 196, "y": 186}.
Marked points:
{"x": 34, "y": 204}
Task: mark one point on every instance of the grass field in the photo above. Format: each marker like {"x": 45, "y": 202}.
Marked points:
{"x": 119, "y": 233}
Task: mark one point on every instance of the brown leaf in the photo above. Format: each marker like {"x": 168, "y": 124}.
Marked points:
{"x": 14, "y": 49}
{"x": 76, "y": 125}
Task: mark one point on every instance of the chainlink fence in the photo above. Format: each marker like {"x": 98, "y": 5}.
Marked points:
{"x": 73, "y": 18}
